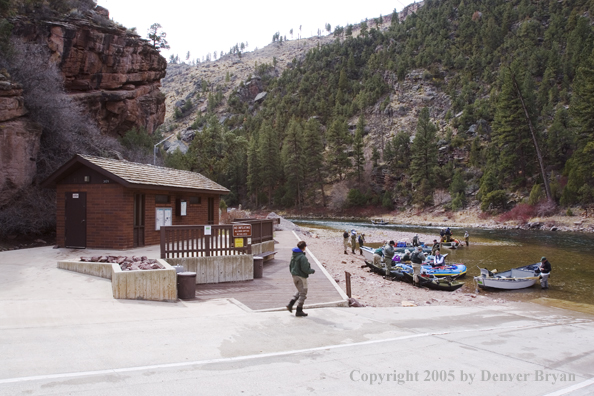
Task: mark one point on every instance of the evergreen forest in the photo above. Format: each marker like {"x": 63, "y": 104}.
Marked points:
{"x": 520, "y": 76}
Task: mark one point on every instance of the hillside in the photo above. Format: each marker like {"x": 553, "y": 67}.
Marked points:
{"x": 461, "y": 103}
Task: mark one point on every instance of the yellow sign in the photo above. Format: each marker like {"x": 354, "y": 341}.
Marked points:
{"x": 238, "y": 242}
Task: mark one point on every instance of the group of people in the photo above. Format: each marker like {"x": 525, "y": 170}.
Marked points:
{"x": 354, "y": 239}
{"x": 300, "y": 268}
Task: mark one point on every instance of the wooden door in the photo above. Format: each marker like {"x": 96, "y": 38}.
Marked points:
{"x": 139, "y": 220}
{"x": 76, "y": 220}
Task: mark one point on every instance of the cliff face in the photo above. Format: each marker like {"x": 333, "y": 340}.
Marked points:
{"x": 115, "y": 75}
{"x": 19, "y": 140}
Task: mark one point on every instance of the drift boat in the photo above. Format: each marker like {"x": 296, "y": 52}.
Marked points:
{"x": 435, "y": 283}
{"x": 453, "y": 270}
{"x": 514, "y": 279}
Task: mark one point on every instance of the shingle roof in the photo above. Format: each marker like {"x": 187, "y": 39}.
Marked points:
{"x": 150, "y": 175}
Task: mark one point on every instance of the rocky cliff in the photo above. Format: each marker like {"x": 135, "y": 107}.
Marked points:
{"x": 113, "y": 72}
{"x": 19, "y": 140}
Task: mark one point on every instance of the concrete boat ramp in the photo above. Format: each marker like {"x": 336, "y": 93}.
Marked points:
{"x": 62, "y": 333}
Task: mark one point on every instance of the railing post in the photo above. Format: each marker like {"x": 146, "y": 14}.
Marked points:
{"x": 347, "y": 276}
{"x": 162, "y": 230}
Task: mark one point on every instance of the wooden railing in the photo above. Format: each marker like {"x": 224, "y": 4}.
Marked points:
{"x": 262, "y": 229}
{"x": 190, "y": 241}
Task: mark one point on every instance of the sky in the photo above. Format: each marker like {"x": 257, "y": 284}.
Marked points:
{"x": 203, "y": 27}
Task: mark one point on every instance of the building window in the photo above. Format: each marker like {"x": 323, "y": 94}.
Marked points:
{"x": 195, "y": 200}
{"x": 162, "y": 199}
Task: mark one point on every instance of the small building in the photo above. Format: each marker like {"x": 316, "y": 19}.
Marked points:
{"x": 112, "y": 204}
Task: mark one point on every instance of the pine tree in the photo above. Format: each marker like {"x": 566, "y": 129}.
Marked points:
{"x": 254, "y": 180}
{"x": 358, "y": 154}
{"x": 511, "y": 136}
{"x": 338, "y": 141}
{"x": 580, "y": 168}
{"x": 294, "y": 163}
{"x": 269, "y": 153}
{"x": 424, "y": 158}
{"x": 315, "y": 167}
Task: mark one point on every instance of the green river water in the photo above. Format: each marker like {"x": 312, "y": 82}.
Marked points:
{"x": 570, "y": 254}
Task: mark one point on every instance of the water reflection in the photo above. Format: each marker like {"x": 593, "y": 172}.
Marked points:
{"x": 570, "y": 254}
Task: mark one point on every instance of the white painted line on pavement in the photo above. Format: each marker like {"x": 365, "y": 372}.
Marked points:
{"x": 321, "y": 267}
{"x": 250, "y": 357}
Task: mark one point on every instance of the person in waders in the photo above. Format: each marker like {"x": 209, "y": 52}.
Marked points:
{"x": 300, "y": 270}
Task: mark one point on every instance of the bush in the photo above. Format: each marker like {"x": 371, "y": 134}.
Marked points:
{"x": 521, "y": 212}
{"x": 536, "y": 194}
{"x": 356, "y": 198}
{"x": 494, "y": 200}
{"x": 569, "y": 212}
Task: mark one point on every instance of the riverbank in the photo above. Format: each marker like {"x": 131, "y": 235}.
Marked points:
{"x": 471, "y": 217}
{"x": 373, "y": 290}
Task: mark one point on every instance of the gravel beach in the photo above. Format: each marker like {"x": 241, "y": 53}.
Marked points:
{"x": 370, "y": 289}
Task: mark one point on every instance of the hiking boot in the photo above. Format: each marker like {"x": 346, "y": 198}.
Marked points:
{"x": 290, "y": 305}
{"x": 300, "y": 312}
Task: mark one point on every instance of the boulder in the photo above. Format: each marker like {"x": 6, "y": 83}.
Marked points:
{"x": 177, "y": 145}
{"x": 260, "y": 97}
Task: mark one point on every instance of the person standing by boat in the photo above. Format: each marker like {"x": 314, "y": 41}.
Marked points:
{"x": 448, "y": 234}
{"x": 436, "y": 247}
{"x": 300, "y": 270}
{"x": 417, "y": 259}
{"x": 361, "y": 241}
{"x": 346, "y": 241}
{"x": 466, "y": 237}
{"x": 415, "y": 241}
{"x": 545, "y": 272}
{"x": 353, "y": 240}
{"x": 377, "y": 256}
{"x": 388, "y": 256}
{"x": 438, "y": 259}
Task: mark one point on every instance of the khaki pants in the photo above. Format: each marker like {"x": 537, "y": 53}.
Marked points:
{"x": 416, "y": 272}
{"x": 377, "y": 260}
{"x": 301, "y": 285}
{"x": 346, "y": 244}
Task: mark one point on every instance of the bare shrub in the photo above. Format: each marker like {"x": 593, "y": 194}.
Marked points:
{"x": 66, "y": 129}
{"x": 521, "y": 212}
{"x": 546, "y": 208}
{"x": 33, "y": 212}
{"x": 338, "y": 196}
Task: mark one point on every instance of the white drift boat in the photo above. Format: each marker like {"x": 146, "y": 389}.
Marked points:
{"x": 516, "y": 278}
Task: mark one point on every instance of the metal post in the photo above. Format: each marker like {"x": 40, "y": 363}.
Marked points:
{"x": 155, "y": 150}
{"x": 348, "y": 283}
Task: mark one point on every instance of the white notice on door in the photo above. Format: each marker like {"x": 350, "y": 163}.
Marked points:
{"x": 162, "y": 218}
{"x": 74, "y": 195}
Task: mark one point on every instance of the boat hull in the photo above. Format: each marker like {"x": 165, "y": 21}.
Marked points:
{"x": 453, "y": 270}
{"x": 504, "y": 283}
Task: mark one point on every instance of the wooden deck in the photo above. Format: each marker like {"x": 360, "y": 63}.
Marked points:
{"x": 275, "y": 288}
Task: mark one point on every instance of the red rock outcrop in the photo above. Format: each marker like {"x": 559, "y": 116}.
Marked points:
{"x": 114, "y": 73}
{"x": 19, "y": 140}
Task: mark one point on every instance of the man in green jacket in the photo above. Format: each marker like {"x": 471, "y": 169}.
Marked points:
{"x": 300, "y": 269}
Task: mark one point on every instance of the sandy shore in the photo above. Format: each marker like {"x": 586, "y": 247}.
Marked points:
{"x": 371, "y": 289}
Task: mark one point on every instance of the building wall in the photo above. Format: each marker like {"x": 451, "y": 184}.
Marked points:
{"x": 110, "y": 213}
{"x": 196, "y": 213}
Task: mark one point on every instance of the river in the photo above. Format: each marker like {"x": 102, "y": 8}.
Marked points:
{"x": 570, "y": 254}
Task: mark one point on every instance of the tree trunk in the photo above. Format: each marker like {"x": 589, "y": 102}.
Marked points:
{"x": 538, "y": 154}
